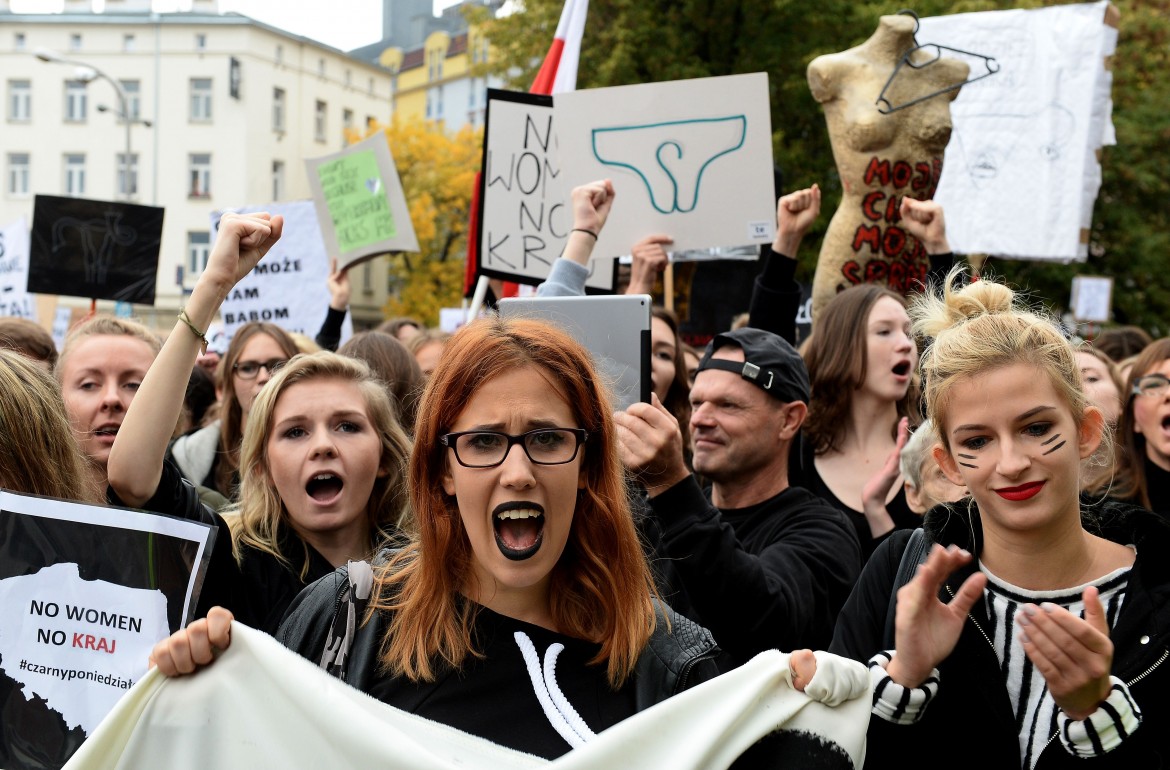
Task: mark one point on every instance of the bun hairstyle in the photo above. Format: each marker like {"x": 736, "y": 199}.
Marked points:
{"x": 984, "y": 326}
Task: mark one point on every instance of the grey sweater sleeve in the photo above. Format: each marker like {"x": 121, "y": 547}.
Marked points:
{"x": 566, "y": 279}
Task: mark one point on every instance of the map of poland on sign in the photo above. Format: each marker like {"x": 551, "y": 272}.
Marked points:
{"x": 77, "y": 644}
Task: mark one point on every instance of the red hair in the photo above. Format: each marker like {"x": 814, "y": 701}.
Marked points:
{"x": 601, "y": 586}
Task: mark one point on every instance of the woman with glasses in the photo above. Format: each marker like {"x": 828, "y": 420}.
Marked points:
{"x": 522, "y": 609}
{"x": 1143, "y": 441}
{"x": 322, "y": 462}
{"x": 210, "y": 457}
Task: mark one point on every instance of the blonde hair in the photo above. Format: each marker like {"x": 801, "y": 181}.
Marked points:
{"x": 262, "y": 516}
{"x": 38, "y": 453}
{"x": 105, "y": 325}
{"x": 916, "y": 452}
{"x": 982, "y": 327}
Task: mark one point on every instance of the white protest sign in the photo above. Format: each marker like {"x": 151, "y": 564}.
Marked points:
{"x": 288, "y": 287}
{"x": 61, "y": 321}
{"x": 14, "y": 297}
{"x": 1021, "y": 173}
{"x": 690, "y": 158}
{"x": 1092, "y": 298}
{"x": 526, "y": 213}
{"x": 86, "y": 592}
{"x": 359, "y": 202}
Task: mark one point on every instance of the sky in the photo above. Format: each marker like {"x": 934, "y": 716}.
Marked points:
{"x": 344, "y": 24}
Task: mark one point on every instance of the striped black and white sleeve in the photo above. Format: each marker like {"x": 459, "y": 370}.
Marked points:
{"x": 893, "y": 702}
{"x": 1104, "y": 730}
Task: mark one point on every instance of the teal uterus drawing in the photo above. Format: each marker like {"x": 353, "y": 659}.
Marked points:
{"x": 670, "y": 157}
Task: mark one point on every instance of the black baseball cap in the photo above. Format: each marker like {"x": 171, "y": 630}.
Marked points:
{"x": 769, "y": 362}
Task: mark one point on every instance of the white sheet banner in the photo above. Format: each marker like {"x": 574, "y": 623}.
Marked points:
{"x": 1021, "y": 172}
{"x": 288, "y": 287}
{"x": 260, "y": 705}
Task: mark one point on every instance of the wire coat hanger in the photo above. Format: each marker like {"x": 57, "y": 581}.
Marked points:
{"x": 883, "y": 104}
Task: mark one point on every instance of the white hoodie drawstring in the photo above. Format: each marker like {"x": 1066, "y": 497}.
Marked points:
{"x": 557, "y": 709}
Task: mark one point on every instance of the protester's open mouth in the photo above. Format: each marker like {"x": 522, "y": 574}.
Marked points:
{"x": 519, "y": 528}
{"x": 324, "y": 487}
{"x": 1166, "y": 423}
{"x": 902, "y": 369}
{"x": 107, "y": 432}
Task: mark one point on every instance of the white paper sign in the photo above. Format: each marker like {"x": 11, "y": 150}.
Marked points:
{"x": 14, "y": 297}
{"x": 288, "y": 287}
{"x": 85, "y": 592}
{"x": 689, "y": 158}
{"x": 1092, "y": 298}
{"x": 1021, "y": 174}
{"x": 526, "y": 213}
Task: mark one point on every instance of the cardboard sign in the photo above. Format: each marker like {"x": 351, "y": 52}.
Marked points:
{"x": 359, "y": 202}
{"x": 288, "y": 287}
{"x": 94, "y": 249}
{"x": 14, "y": 297}
{"x": 86, "y": 592}
{"x": 690, "y": 158}
{"x": 525, "y": 210}
{"x": 1021, "y": 171}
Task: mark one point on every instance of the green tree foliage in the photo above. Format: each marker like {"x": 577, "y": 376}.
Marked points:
{"x": 639, "y": 41}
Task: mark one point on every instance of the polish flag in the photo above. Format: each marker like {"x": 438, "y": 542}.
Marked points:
{"x": 557, "y": 75}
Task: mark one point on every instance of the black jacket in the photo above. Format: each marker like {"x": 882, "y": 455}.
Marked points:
{"x": 970, "y": 722}
{"x": 678, "y": 656}
{"x": 770, "y": 576}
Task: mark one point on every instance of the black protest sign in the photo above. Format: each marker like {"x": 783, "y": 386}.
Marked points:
{"x": 525, "y": 211}
{"x": 95, "y": 249}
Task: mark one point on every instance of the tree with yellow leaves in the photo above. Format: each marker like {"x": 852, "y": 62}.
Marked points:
{"x": 437, "y": 172}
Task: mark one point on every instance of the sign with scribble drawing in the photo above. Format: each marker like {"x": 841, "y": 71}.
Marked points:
{"x": 525, "y": 210}
{"x": 690, "y": 158}
{"x": 94, "y": 249}
{"x": 1021, "y": 172}
{"x": 85, "y": 592}
{"x": 15, "y": 301}
{"x": 360, "y": 204}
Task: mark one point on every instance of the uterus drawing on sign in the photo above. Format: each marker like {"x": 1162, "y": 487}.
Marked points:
{"x": 671, "y": 157}
{"x": 95, "y": 257}
{"x": 989, "y": 142}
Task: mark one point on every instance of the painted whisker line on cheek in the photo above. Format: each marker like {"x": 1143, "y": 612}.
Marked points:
{"x": 967, "y": 457}
{"x": 969, "y": 465}
{"x": 1058, "y": 446}
{"x": 1049, "y": 441}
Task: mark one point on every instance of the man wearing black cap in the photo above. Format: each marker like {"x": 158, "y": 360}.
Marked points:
{"x": 763, "y": 565}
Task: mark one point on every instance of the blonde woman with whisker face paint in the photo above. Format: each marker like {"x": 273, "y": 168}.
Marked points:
{"x": 1032, "y": 631}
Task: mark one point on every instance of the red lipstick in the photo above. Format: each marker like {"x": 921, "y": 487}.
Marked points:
{"x": 1022, "y": 492}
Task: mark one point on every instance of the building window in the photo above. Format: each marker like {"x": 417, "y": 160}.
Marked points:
{"x": 19, "y": 101}
{"x": 371, "y": 122}
{"x": 19, "y": 41}
{"x": 200, "y": 176}
{"x": 74, "y": 101}
{"x": 198, "y": 249}
{"x": 430, "y": 106}
{"x": 18, "y": 173}
{"x": 75, "y": 175}
{"x": 279, "y": 56}
{"x": 128, "y": 43}
{"x": 127, "y": 177}
{"x": 372, "y": 86}
{"x": 75, "y": 42}
{"x": 200, "y": 42}
{"x": 471, "y": 94}
{"x": 200, "y": 100}
{"x": 133, "y": 91}
{"x": 278, "y": 102}
{"x": 348, "y": 78}
{"x": 319, "y": 122}
{"x": 321, "y": 67}
{"x": 346, "y": 124}
{"x": 277, "y": 180}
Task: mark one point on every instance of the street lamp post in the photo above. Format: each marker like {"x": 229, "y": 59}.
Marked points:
{"x": 84, "y": 69}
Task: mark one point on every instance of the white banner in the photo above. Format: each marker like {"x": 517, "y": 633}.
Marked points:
{"x": 1021, "y": 172}
{"x": 14, "y": 297}
{"x": 288, "y": 287}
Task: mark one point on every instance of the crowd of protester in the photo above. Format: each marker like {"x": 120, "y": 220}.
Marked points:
{"x": 943, "y": 487}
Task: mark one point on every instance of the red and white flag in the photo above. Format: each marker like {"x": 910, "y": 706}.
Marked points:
{"x": 557, "y": 75}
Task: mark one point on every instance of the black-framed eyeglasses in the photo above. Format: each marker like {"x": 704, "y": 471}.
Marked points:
{"x": 1151, "y": 385}
{"x": 489, "y": 448}
{"x": 247, "y": 370}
